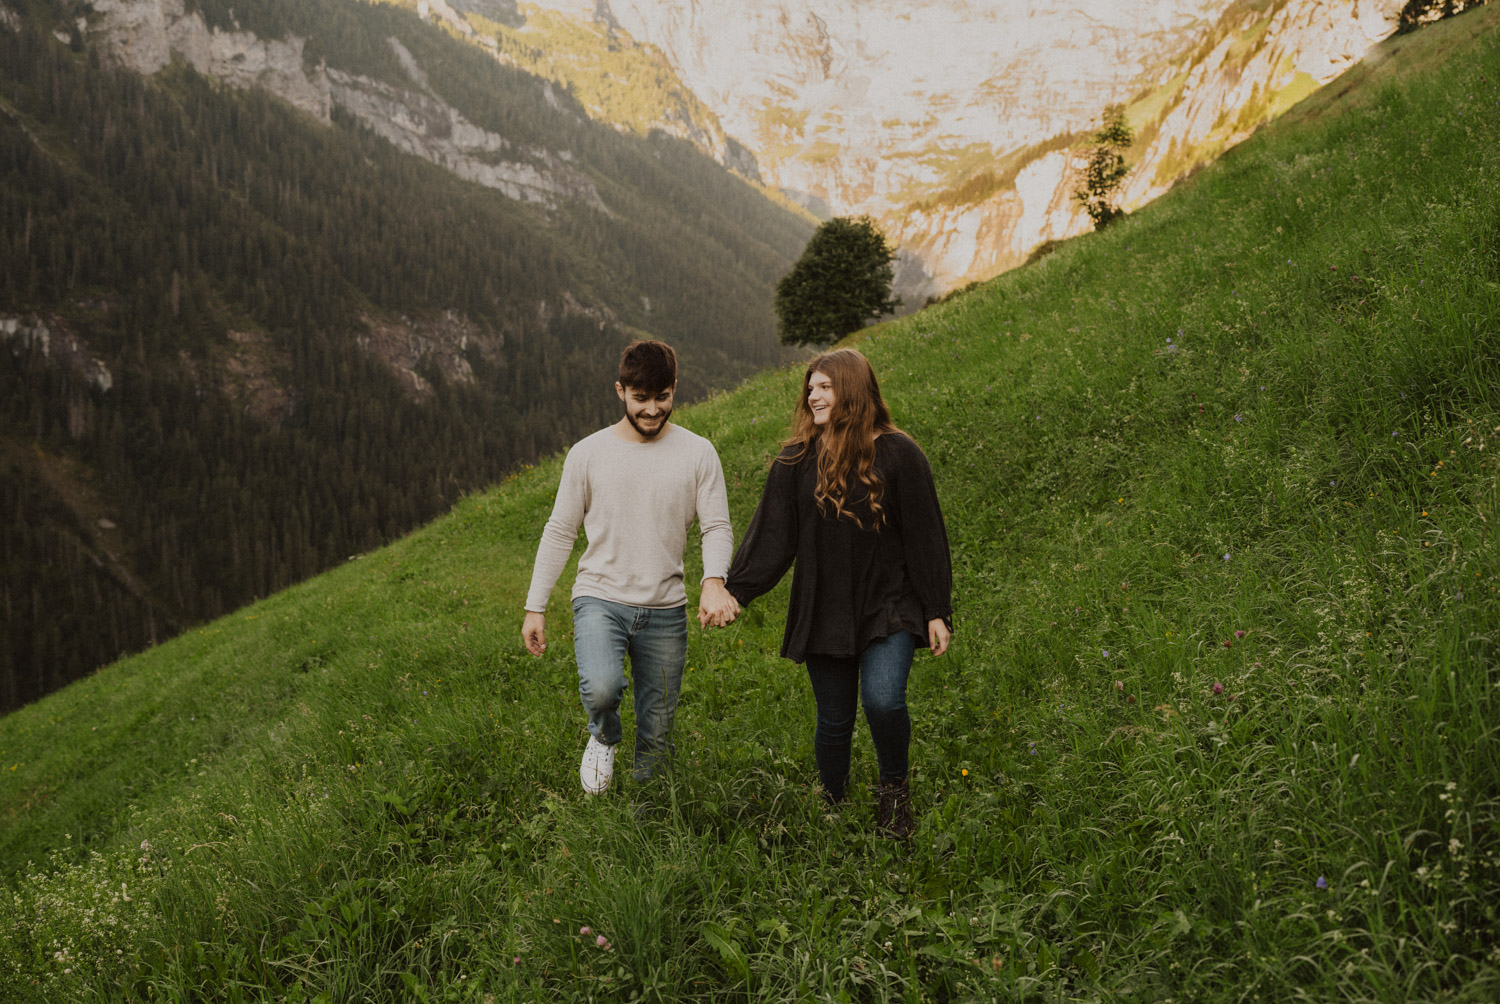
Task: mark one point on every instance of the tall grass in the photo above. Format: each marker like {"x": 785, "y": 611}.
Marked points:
{"x": 1219, "y": 722}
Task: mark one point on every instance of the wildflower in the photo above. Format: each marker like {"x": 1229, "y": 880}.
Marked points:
{"x": 1226, "y": 556}
{"x": 1239, "y": 634}
{"x": 1032, "y": 751}
{"x": 1322, "y": 882}
{"x": 602, "y": 941}
{"x": 1239, "y": 418}
{"x": 516, "y": 961}
{"x": 964, "y": 772}
{"x": 1218, "y": 687}
{"x": 1119, "y": 685}
{"x": 584, "y": 930}
{"x": 1106, "y": 652}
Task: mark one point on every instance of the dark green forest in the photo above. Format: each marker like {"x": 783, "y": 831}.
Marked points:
{"x": 194, "y": 241}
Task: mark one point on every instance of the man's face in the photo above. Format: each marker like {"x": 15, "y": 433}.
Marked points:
{"x": 647, "y": 413}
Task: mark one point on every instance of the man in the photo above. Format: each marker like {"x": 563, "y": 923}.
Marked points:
{"x": 636, "y": 487}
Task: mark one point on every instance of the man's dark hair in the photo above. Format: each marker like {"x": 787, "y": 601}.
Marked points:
{"x": 648, "y": 366}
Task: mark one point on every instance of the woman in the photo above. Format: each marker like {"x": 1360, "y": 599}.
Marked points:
{"x": 850, "y": 500}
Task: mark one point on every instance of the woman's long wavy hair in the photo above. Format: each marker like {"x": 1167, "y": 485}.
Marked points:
{"x": 847, "y": 440}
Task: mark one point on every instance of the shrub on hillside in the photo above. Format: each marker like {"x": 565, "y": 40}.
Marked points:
{"x": 1106, "y": 168}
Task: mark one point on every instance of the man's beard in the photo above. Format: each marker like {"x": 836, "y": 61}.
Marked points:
{"x": 649, "y": 433}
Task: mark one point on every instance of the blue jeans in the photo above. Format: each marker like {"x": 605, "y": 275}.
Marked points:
{"x": 656, "y": 641}
{"x": 876, "y": 678}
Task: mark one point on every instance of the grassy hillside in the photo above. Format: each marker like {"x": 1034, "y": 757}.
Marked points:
{"x": 1218, "y": 724}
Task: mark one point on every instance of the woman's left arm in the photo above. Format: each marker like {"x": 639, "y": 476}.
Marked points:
{"x": 924, "y": 539}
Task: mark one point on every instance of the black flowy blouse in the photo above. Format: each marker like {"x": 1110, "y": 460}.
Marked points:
{"x": 851, "y": 587}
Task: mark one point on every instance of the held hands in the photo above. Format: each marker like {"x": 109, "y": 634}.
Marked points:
{"x": 938, "y": 635}
{"x": 716, "y": 607}
{"x": 534, "y": 632}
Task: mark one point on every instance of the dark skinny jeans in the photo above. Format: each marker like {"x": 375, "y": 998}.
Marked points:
{"x": 875, "y": 678}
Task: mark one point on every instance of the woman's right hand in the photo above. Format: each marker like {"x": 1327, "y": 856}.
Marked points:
{"x": 938, "y": 635}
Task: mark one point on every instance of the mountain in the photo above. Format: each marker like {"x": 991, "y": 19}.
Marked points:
{"x": 281, "y": 280}
{"x": 958, "y": 124}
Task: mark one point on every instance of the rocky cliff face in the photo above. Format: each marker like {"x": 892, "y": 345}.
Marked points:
{"x": 853, "y": 106}
{"x": 145, "y": 35}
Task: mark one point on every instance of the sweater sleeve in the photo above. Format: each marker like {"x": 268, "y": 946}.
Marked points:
{"x": 559, "y": 534}
{"x": 770, "y": 543}
{"x": 713, "y": 516}
{"x": 924, "y": 537}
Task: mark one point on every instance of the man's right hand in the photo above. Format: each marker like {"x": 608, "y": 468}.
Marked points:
{"x": 534, "y": 632}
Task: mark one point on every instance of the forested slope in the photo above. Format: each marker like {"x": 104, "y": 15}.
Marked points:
{"x": 238, "y": 344}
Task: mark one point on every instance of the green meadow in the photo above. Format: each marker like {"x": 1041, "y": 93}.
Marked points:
{"x": 1219, "y": 723}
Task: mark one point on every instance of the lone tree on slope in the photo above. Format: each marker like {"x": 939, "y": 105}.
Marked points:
{"x": 840, "y": 284}
{"x": 1105, "y": 168}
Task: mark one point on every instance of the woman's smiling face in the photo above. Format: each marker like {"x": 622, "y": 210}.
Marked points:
{"x": 820, "y": 397}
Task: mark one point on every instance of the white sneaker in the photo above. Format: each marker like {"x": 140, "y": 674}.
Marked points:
{"x": 597, "y": 768}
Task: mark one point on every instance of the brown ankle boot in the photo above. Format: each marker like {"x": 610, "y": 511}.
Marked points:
{"x": 893, "y": 813}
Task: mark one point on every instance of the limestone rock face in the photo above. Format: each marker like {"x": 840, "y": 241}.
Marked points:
{"x": 421, "y": 124}
{"x": 59, "y": 346}
{"x": 145, "y": 35}
{"x": 1244, "y": 81}
{"x": 888, "y": 108}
